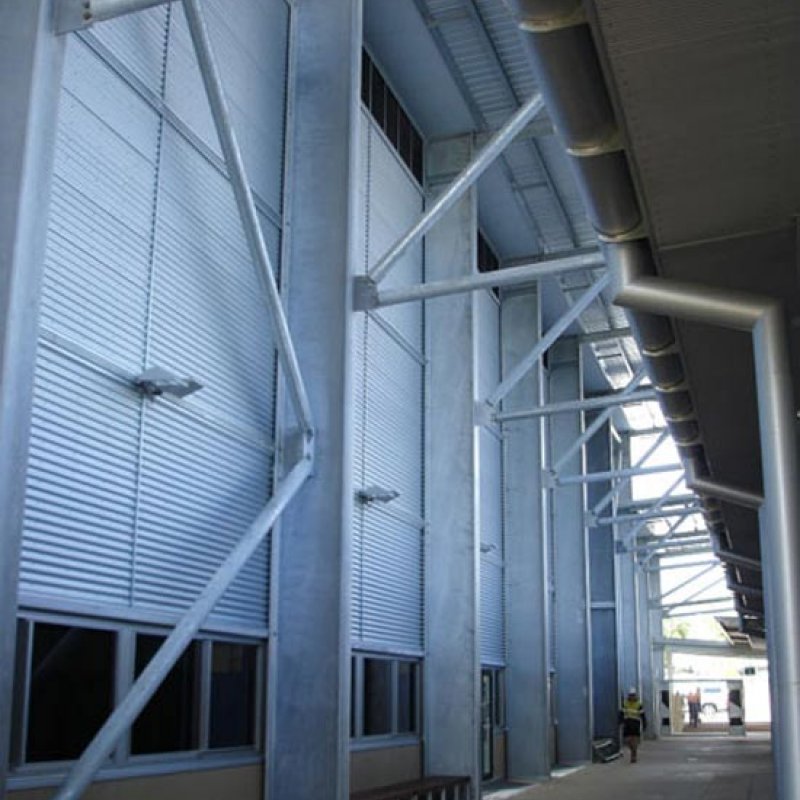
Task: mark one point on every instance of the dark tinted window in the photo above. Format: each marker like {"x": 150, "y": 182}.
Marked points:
{"x": 233, "y": 695}
{"x": 71, "y": 692}
{"x": 169, "y": 722}
{"x": 390, "y": 116}
{"x": 377, "y": 696}
{"x": 487, "y": 258}
{"x": 406, "y": 697}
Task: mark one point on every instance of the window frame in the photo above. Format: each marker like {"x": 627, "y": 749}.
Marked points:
{"x": 360, "y": 740}
{"x": 122, "y": 762}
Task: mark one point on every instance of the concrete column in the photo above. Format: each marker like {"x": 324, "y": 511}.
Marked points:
{"x": 452, "y": 664}
{"x": 528, "y": 707}
{"x": 31, "y": 60}
{"x": 605, "y": 687}
{"x": 572, "y": 655}
{"x": 627, "y": 592}
{"x": 309, "y": 693}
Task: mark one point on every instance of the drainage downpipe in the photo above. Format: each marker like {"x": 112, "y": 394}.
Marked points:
{"x": 763, "y": 317}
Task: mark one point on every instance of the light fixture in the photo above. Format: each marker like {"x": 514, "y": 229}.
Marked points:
{"x": 156, "y": 381}
{"x": 376, "y": 494}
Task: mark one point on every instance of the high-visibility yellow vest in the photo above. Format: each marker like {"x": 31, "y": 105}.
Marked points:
{"x": 632, "y": 709}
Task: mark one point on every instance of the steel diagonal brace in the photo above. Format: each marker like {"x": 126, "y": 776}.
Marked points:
{"x": 468, "y": 176}
{"x": 598, "y": 423}
{"x": 618, "y": 487}
{"x": 146, "y": 685}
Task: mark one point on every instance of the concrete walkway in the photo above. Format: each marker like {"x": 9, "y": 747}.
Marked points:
{"x": 690, "y": 767}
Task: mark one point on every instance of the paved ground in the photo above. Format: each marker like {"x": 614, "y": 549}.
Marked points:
{"x": 689, "y": 767}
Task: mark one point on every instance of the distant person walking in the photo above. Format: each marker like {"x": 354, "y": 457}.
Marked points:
{"x": 693, "y": 700}
{"x": 633, "y": 721}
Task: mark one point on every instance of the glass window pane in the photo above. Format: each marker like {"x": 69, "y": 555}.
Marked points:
{"x": 169, "y": 722}
{"x": 378, "y": 98}
{"x": 500, "y": 699}
{"x": 71, "y": 690}
{"x": 406, "y": 697}
{"x": 233, "y": 695}
{"x": 377, "y": 696}
{"x": 392, "y": 113}
{"x": 366, "y": 65}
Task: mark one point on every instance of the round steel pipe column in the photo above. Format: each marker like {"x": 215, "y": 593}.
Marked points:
{"x": 780, "y": 538}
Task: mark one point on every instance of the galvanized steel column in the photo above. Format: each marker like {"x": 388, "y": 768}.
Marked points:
{"x": 309, "y": 692}
{"x": 627, "y": 593}
{"x": 570, "y": 570}
{"x": 527, "y": 677}
{"x": 452, "y": 664}
{"x": 605, "y": 686}
{"x": 30, "y": 78}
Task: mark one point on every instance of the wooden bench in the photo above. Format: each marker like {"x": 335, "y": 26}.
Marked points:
{"x": 434, "y": 787}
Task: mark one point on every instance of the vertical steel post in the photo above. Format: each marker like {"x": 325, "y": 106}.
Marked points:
{"x": 31, "y": 62}
{"x": 526, "y": 555}
{"x": 452, "y": 555}
{"x": 308, "y": 742}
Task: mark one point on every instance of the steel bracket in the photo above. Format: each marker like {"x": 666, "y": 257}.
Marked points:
{"x": 73, "y": 15}
{"x": 365, "y": 293}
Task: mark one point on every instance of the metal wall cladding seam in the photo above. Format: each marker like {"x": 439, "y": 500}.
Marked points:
{"x": 387, "y": 575}
{"x": 98, "y": 241}
{"x": 200, "y": 490}
{"x": 81, "y": 484}
{"x": 251, "y": 46}
{"x": 392, "y": 581}
{"x": 209, "y": 317}
{"x": 492, "y": 616}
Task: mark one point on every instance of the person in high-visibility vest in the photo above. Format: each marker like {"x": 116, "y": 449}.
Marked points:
{"x": 633, "y": 721}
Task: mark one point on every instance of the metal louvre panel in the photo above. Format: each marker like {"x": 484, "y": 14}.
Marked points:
{"x": 387, "y": 571}
{"x": 392, "y": 581}
{"x": 81, "y": 484}
{"x": 97, "y": 258}
{"x": 251, "y": 48}
{"x": 492, "y": 622}
{"x": 209, "y": 319}
{"x": 200, "y": 490}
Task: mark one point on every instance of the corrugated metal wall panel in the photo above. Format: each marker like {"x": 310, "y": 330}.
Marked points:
{"x": 492, "y": 622}
{"x": 81, "y": 483}
{"x": 490, "y": 450}
{"x": 97, "y": 258}
{"x": 139, "y": 41}
{"x": 392, "y": 585}
{"x": 200, "y": 490}
{"x": 386, "y": 607}
{"x": 251, "y": 49}
{"x": 132, "y": 502}
{"x": 208, "y": 317}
